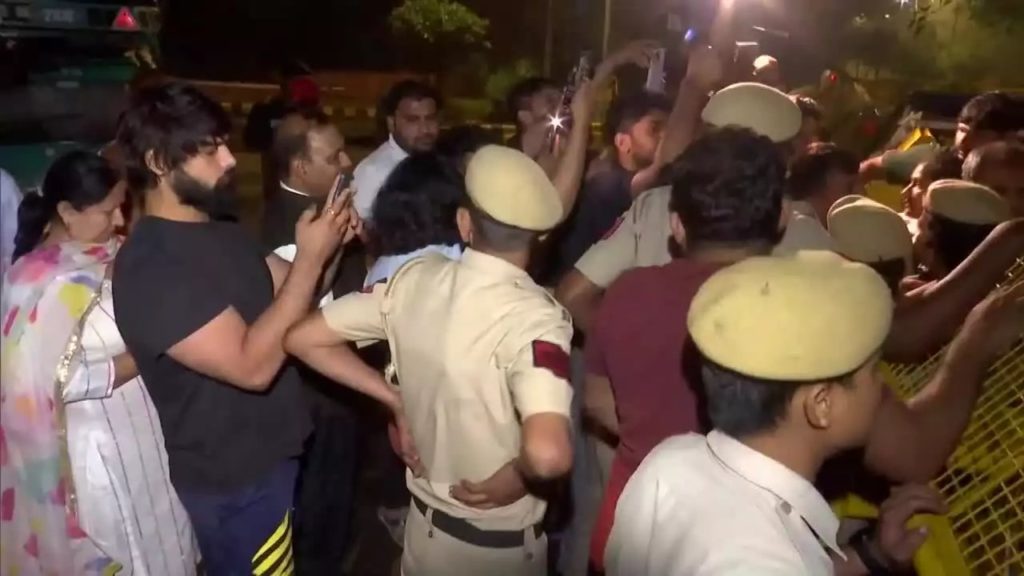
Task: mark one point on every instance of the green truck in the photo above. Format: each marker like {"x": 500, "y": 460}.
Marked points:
{"x": 64, "y": 68}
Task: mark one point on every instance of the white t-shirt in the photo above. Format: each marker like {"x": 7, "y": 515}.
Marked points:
{"x": 371, "y": 173}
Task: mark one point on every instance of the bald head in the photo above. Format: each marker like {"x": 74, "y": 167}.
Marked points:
{"x": 309, "y": 152}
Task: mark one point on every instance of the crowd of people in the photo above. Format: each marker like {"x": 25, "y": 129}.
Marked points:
{"x": 666, "y": 355}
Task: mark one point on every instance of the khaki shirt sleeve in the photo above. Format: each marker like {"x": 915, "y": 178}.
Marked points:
{"x": 538, "y": 368}
{"x": 359, "y": 316}
{"x": 613, "y": 254}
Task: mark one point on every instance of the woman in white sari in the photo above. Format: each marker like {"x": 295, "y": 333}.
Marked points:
{"x": 84, "y": 485}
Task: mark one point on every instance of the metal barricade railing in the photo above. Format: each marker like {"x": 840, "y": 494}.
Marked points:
{"x": 983, "y": 482}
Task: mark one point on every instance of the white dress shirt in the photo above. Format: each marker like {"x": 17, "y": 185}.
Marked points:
{"x": 371, "y": 173}
{"x": 10, "y": 199}
{"x": 804, "y": 232}
{"x": 712, "y": 506}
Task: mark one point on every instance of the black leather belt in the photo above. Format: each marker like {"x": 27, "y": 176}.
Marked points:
{"x": 462, "y": 530}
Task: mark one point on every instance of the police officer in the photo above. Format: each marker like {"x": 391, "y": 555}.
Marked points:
{"x": 642, "y": 236}
{"x": 868, "y": 232}
{"x": 741, "y": 499}
{"x": 481, "y": 353}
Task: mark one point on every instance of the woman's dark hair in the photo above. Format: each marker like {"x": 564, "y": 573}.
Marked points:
{"x": 416, "y": 206}
{"x": 80, "y": 178}
{"x": 954, "y": 241}
{"x": 727, "y": 188}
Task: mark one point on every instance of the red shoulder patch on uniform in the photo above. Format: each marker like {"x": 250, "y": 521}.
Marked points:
{"x": 615, "y": 226}
{"x": 551, "y": 357}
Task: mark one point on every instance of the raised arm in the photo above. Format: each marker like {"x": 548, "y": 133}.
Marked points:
{"x": 929, "y": 316}
{"x": 912, "y": 440}
{"x": 250, "y": 356}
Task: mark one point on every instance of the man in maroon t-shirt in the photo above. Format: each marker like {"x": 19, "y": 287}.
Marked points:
{"x": 727, "y": 194}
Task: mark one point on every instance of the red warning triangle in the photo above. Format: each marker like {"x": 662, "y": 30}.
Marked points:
{"x": 125, "y": 20}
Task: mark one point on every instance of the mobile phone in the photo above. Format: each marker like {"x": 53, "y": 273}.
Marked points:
{"x": 656, "y": 72}
{"x": 562, "y": 121}
{"x": 344, "y": 182}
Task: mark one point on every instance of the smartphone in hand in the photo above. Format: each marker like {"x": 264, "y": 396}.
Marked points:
{"x": 562, "y": 122}
{"x": 344, "y": 183}
{"x": 656, "y": 72}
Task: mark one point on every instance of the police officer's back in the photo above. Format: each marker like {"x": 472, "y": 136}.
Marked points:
{"x": 480, "y": 353}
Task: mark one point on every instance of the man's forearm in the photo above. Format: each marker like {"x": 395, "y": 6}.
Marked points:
{"x": 928, "y": 321}
{"x": 683, "y": 122}
{"x": 944, "y": 407}
{"x": 569, "y": 175}
{"x": 341, "y": 364}
{"x": 912, "y": 442}
{"x": 599, "y": 405}
{"x": 264, "y": 340}
{"x": 583, "y": 307}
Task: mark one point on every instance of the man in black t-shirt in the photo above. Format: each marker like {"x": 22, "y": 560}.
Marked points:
{"x": 204, "y": 310}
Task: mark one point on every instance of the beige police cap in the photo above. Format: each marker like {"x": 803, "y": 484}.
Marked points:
{"x": 967, "y": 202}
{"x": 763, "y": 109}
{"x": 802, "y": 318}
{"x": 868, "y": 232}
{"x": 513, "y": 189}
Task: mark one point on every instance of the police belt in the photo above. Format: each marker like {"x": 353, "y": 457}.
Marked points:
{"x": 461, "y": 529}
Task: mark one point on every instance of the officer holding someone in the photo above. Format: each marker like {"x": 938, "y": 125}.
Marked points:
{"x": 481, "y": 353}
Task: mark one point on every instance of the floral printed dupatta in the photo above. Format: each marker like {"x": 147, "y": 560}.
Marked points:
{"x": 46, "y": 296}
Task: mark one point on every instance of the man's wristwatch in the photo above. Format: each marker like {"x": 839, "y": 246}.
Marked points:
{"x": 868, "y": 553}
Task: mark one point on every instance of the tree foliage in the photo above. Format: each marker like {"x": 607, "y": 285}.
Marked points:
{"x": 439, "y": 21}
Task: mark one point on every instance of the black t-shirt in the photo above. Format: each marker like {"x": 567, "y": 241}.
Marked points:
{"x": 171, "y": 279}
{"x": 604, "y": 197}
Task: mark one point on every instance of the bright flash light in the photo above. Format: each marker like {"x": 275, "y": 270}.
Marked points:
{"x": 556, "y": 122}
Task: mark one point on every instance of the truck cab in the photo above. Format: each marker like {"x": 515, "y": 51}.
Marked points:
{"x": 64, "y": 70}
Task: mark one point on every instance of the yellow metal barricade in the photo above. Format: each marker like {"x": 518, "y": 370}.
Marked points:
{"x": 983, "y": 483}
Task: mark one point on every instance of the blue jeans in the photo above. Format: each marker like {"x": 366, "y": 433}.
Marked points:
{"x": 248, "y": 531}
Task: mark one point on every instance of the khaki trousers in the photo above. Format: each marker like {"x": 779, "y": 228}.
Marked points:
{"x": 430, "y": 552}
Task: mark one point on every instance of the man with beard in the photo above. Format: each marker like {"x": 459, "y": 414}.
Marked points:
{"x": 204, "y": 310}
{"x": 411, "y": 109}
{"x": 633, "y": 130}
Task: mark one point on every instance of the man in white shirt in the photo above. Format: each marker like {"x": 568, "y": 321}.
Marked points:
{"x": 10, "y": 199}
{"x": 785, "y": 391}
{"x": 411, "y": 109}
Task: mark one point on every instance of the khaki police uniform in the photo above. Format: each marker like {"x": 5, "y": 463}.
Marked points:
{"x": 967, "y": 203}
{"x": 477, "y": 347}
{"x": 703, "y": 506}
{"x": 643, "y": 236}
{"x": 869, "y": 232}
